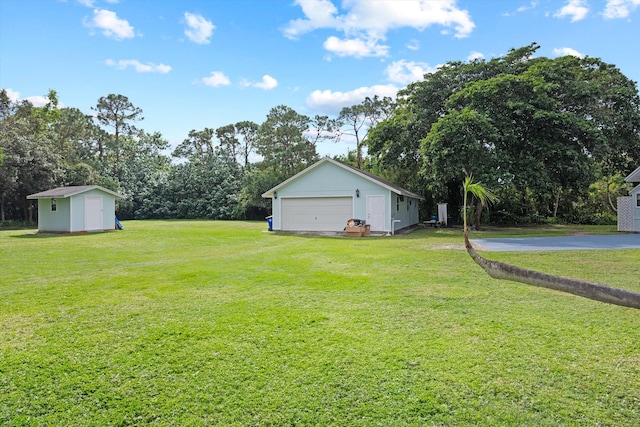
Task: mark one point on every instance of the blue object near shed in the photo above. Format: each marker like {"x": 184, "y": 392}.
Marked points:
{"x": 270, "y": 222}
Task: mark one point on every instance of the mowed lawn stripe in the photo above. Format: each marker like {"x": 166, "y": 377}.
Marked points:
{"x": 204, "y": 322}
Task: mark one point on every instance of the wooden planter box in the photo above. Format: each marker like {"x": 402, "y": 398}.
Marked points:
{"x": 356, "y": 231}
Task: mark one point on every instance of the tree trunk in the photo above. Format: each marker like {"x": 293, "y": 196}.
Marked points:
{"x": 615, "y": 208}
{"x": 556, "y": 202}
{"x": 479, "y": 207}
{"x": 594, "y": 291}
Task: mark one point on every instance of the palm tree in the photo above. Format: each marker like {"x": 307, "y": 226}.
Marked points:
{"x": 500, "y": 270}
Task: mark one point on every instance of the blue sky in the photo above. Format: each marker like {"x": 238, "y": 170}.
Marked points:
{"x": 192, "y": 64}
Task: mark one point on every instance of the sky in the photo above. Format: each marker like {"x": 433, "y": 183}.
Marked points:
{"x": 193, "y": 64}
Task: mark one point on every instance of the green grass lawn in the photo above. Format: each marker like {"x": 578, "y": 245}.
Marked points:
{"x": 183, "y": 323}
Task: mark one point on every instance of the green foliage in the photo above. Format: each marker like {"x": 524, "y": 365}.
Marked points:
{"x": 256, "y": 181}
{"x": 31, "y": 161}
{"x": 282, "y": 142}
{"x": 475, "y": 189}
{"x": 358, "y": 120}
{"x": 539, "y": 131}
{"x": 220, "y": 323}
{"x": 198, "y": 189}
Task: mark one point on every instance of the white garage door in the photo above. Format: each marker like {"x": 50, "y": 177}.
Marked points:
{"x": 316, "y": 213}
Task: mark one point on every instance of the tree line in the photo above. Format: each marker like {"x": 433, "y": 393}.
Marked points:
{"x": 552, "y": 138}
{"x": 208, "y": 175}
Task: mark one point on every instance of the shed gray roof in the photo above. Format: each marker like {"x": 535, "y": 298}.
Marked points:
{"x": 371, "y": 177}
{"x": 63, "y": 192}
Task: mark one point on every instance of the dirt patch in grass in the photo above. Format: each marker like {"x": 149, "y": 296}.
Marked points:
{"x": 449, "y": 246}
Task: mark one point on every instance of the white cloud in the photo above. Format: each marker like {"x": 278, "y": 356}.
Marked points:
{"x": 36, "y": 101}
{"x": 531, "y": 5}
{"x": 149, "y": 67}
{"x": 576, "y": 9}
{"x": 413, "y": 44}
{"x": 565, "y": 51}
{"x": 522, "y": 9}
{"x": 406, "y": 72}
{"x": 475, "y": 55}
{"x": 199, "y": 29}
{"x": 88, "y": 3}
{"x": 111, "y": 26}
{"x": 267, "y": 83}
{"x": 319, "y": 13}
{"x": 620, "y": 8}
{"x": 217, "y": 78}
{"x": 330, "y": 102}
{"x": 364, "y": 22}
{"x": 355, "y": 47}
{"x": 12, "y": 94}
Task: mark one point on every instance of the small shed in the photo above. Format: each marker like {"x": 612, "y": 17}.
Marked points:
{"x": 629, "y": 206}
{"x": 76, "y": 209}
{"x": 324, "y": 196}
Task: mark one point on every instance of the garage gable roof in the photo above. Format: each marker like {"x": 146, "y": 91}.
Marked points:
{"x": 366, "y": 175}
{"x": 634, "y": 176}
{"x": 63, "y": 192}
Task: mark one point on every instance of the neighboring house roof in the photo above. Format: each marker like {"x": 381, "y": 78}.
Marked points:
{"x": 63, "y": 192}
{"x": 366, "y": 175}
{"x": 633, "y": 176}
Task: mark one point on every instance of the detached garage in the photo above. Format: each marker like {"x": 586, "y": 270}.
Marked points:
{"x": 76, "y": 209}
{"x": 327, "y": 194}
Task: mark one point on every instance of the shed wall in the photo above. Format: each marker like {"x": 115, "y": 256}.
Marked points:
{"x": 57, "y": 221}
{"x": 78, "y": 209}
{"x": 69, "y": 216}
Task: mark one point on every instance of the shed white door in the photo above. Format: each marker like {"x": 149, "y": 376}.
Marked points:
{"x": 375, "y": 212}
{"x": 316, "y": 213}
{"x": 93, "y": 213}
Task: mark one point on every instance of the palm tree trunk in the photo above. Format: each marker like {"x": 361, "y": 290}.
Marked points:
{"x": 594, "y": 291}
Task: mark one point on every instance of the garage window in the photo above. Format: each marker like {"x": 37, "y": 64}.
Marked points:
{"x": 54, "y": 205}
{"x": 638, "y": 200}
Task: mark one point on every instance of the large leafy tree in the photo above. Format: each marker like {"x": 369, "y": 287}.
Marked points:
{"x": 357, "y": 121}
{"x": 283, "y": 142}
{"x": 538, "y": 130}
{"x": 117, "y": 113}
{"x": 200, "y": 188}
{"x": 199, "y": 145}
{"x": 31, "y": 161}
{"x": 144, "y": 168}
{"x": 237, "y": 140}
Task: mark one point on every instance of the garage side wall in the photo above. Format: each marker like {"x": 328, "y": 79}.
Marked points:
{"x": 405, "y": 210}
{"x": 635, "y": 201}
